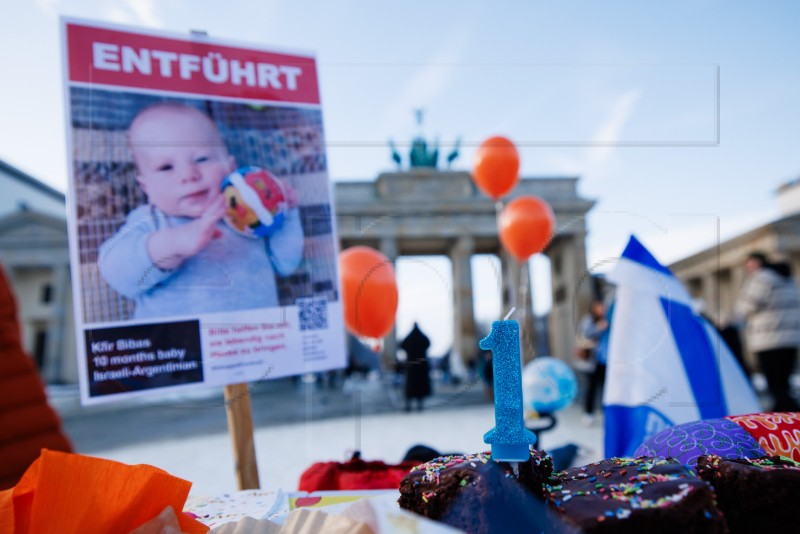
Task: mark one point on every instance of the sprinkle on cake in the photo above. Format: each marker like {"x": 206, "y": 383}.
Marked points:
{"x": 453, "y": 488}
{"x": 634, "y": 493}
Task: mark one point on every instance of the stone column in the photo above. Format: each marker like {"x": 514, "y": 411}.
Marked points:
{"x": 709, "y": 291}
{"x": 794, "y": 261}
{"x": 738, "y": 276}
{"x": 388, "y": 247}
{"x": 568, "y": 317}
{"x": 571, "y": 292}
{"x": 528, "y": 333}
{"x": 55, "y": 346}
{"x": 582, "y": 292}
{"x": 726, "y": 294}
{"x": 465, "y": 343}
{"x": 559, "y": 323}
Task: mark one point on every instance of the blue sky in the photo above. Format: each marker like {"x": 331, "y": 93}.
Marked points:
{"x": 622, "y": 94}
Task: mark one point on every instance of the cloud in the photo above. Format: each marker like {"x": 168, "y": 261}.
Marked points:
{"x": 561, "y": 163}
{"x": 604, "y": 142}
{"x": 145, "y": 11}
{"x": 595, "y": 161}
{"x": 136, "y": 12}
{"x": 48, "y": 7}
{"x": 431, "y": 80}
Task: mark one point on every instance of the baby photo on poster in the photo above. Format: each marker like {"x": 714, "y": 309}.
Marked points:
{"x": 199, "y": 194}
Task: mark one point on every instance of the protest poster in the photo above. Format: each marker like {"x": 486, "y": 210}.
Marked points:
{"x": 202, "y": 237}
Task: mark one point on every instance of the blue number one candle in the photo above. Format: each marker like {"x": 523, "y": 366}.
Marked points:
{"x": 509, "y": 438}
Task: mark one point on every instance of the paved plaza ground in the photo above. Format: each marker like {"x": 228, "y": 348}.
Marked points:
{"x": 296, "y": 424}
{"x": 299, "y": 422}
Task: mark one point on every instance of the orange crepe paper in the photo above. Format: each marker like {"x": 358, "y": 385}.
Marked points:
{"x": 72, "y": 493}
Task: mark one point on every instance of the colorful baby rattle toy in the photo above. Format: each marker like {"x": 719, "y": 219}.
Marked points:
{"x": 256, "y": 202}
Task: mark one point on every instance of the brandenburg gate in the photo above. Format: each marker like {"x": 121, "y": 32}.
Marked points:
{"x": 425, "y": 211}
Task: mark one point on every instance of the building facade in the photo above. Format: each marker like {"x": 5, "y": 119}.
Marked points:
{"x": 715, "y": 275}
{"x": 35, "y": 255}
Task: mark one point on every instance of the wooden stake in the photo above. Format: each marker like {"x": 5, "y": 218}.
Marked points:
{"x": 240, "y": 426}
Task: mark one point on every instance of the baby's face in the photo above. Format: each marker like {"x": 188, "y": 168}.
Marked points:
{"x": 181, "y": 160}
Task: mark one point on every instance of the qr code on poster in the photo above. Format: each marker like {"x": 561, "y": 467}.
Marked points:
{"x": 313, "y": 313}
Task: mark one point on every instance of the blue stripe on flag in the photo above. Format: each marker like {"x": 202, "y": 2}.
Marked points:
{"x": 628, "y": 426}
{"x": 699, "y": 359}
{"x": 635, "y": 251}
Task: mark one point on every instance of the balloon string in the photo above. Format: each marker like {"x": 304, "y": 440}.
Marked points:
{"x": 524, "y": 290}
{"x": 513, "y": 290}
{"x": 507, "y": 275}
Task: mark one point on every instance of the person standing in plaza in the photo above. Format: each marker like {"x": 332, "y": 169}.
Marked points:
{"x": 770, "y": 304}
{"x": 418, "y": 381}
{"x": 592, "y": 332}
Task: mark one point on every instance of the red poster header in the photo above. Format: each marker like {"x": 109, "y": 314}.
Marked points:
{"x": 125, "y": 59}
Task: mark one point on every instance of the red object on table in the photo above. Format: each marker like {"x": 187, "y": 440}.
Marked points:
{"x": 356, "y": 474}
{"x": 777, "y": 433}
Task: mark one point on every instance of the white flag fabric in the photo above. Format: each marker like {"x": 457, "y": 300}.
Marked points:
{"x": 666, "y": 364}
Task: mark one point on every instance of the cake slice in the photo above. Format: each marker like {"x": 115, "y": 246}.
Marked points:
{"x": 755, "y": 494}
{"x": 636, "y": 495}
{"x": 477, "y": 494}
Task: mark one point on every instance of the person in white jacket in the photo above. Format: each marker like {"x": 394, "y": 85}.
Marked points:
{"x": 770, "y": 304}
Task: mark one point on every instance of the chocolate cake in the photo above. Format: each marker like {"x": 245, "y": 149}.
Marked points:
{"x": 621, "y": 495}
{"x": 477, "y": 494}
{"x": 755, "y": 494}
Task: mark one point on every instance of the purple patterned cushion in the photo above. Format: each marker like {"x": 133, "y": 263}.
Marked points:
{"x": 713, "y": 436}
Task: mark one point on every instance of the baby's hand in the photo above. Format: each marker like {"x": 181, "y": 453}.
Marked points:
{"x": 170, "y": 247}
{"x": 200, "y": 232}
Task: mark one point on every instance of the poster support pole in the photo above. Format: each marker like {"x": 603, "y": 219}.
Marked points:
{"x": 240, "y": 427}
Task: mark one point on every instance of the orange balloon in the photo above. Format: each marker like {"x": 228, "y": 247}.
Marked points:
{"x": 496, "y": 169}
{"x": 526, "y": 226}
{"x": 369, "y": 291}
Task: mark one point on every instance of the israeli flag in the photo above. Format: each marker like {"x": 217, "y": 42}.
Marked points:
{"x": 666, "y": 364}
